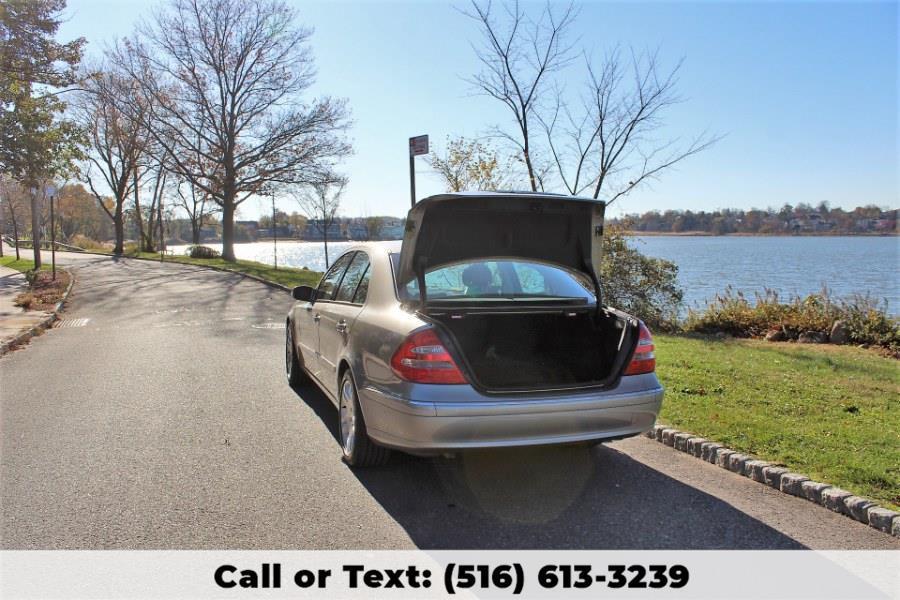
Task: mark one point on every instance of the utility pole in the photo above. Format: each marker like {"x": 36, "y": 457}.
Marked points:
{"x": 417, "y": 145}
{"x": 53, "y": 236}
{"x": 275, "y": 230}
{"x": 36, "y": 226}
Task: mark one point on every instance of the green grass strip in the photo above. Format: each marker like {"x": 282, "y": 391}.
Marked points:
{"x": 829, "y": 412}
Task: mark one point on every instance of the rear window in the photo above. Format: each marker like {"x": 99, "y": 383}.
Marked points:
{"x": 501, "y": 279}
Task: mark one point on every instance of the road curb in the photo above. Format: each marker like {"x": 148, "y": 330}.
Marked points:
{"x": 278, "y": 286}
{"x": 43, "y": 324}
{"x": 778, "y": 477}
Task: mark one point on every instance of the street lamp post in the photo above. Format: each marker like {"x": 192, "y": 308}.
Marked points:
{"x": 275, "y": 231}
{"x": 53, "y": 236}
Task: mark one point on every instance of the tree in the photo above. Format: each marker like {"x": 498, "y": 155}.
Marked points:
{"x": 15, "y": 200}
{"x": 640, "y": 285}
{"x": 77, "y": 213}
{"x": 224, "y": 80}
{"x": 149, "y": 217}
{"x": 518, "y": 60}
{"x": 321, "y": 201}
{"x": 196, "y": 203}
{"x": 117, "y": 141}
{"x": 607, "y": 142}
{"x": 604, "y": 142}
{"x": 298, "y": 222}
{"x": 470, "y": 165}
{"x": 372, "y": 227}
{"x": 35, "y": 146}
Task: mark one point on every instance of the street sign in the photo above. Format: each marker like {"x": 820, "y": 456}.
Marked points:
{"x": 418, "y": 145}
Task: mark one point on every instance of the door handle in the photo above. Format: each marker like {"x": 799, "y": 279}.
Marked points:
{"x": 316, "y": 318}
{"x": 341, "y": 327}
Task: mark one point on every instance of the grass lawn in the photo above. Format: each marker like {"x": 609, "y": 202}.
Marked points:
{"x": 284, "y": 275}
{"x": 829, "y": 412}
{"x": 21, "y": 265}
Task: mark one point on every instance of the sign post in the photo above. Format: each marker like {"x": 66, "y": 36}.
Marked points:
{"x": 417, "y": 145}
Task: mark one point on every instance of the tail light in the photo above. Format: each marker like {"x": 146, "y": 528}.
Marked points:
{"x": 643, "y": 361}
{"x": 422, "y": 358}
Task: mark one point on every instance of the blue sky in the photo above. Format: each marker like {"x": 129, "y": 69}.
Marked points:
{"x": 806, "y": 92}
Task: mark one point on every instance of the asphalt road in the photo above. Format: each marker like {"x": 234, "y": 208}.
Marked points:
{"x": 160, "y": 418}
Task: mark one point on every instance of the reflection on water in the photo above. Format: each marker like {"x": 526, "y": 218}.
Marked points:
{"x": 706, "y": 265}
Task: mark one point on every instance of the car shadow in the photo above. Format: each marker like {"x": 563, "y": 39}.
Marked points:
{"x": 553, "y": 497}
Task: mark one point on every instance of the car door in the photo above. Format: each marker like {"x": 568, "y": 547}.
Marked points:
{"x": 307, "y": 316}
{"x": 337, "y": 318}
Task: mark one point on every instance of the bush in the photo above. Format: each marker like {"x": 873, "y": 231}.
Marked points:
{"x": 640, "y": 285}
{"x": 24, "y": 300}
{"x": 731, "y": 312}
{"x": 84, "y": 242}
{"x": 198, "y": 251}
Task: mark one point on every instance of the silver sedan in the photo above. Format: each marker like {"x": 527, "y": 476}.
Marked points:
{"x": 484, "y": 328}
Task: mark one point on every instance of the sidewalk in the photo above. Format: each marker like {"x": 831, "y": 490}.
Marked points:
{"x": 13, "y": 319}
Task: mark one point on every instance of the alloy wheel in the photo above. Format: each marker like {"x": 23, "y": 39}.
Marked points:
{"x": 348, "y": 417}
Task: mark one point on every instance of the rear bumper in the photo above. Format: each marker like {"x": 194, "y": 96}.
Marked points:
{"x": 430, "y": 426}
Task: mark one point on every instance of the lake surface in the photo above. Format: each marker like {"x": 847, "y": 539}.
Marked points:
{"x": 706, "y": 265}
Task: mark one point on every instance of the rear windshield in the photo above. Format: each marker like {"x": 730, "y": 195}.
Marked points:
{"x": 500, "y": 279}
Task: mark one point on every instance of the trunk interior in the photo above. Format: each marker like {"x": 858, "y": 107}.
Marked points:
{"x": 545, "y": 350}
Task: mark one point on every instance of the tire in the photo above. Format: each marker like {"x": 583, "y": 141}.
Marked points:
{"x": 292, "y": 368}
{"x": 358, "y": 449}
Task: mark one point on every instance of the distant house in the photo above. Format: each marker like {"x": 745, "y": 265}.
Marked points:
{"x": 885, "y": 225}
{"x": 313, "y": 231}
{"x": 866, "y": 224}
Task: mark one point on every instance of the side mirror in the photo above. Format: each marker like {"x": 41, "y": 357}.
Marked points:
{"x": 304, "y": 293}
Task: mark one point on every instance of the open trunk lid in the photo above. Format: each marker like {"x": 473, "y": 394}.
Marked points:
{"x": 450, "y": 228}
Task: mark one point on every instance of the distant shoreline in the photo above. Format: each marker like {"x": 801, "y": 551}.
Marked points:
{"x": 628, "y": 233}
{"x": 742, "y": 234}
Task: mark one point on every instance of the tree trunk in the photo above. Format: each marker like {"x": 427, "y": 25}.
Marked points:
{"x": 159, "y": 221}
{"x": 36, "y": 229}
{"x": 137, "y": 213}
{"x": 16, "y": 235}
{"x": 325, "y": 239}
{"x": 228, "y": 229}
{"x": 195, "y": 231}
{"x": 119, "y": 223}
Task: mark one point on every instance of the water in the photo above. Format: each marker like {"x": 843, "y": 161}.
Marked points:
{"x": 788, "y": 265}
{"x": 706, "y": 265}
{"x": 290, "y": 254}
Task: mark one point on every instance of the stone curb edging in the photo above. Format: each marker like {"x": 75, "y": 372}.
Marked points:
{"x": 840, "y": 501}
{"x": 43, "y": 324}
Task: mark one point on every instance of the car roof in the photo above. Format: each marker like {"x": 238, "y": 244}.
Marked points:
{"x": 388, "y": 246}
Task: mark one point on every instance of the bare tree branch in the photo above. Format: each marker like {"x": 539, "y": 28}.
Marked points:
{"x": 518, "y": 61}
{"x": 224, "y": 80}
{"x": 320, "y": 201}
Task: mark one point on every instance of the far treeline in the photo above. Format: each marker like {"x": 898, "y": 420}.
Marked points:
{"x": 793, "y": 220}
